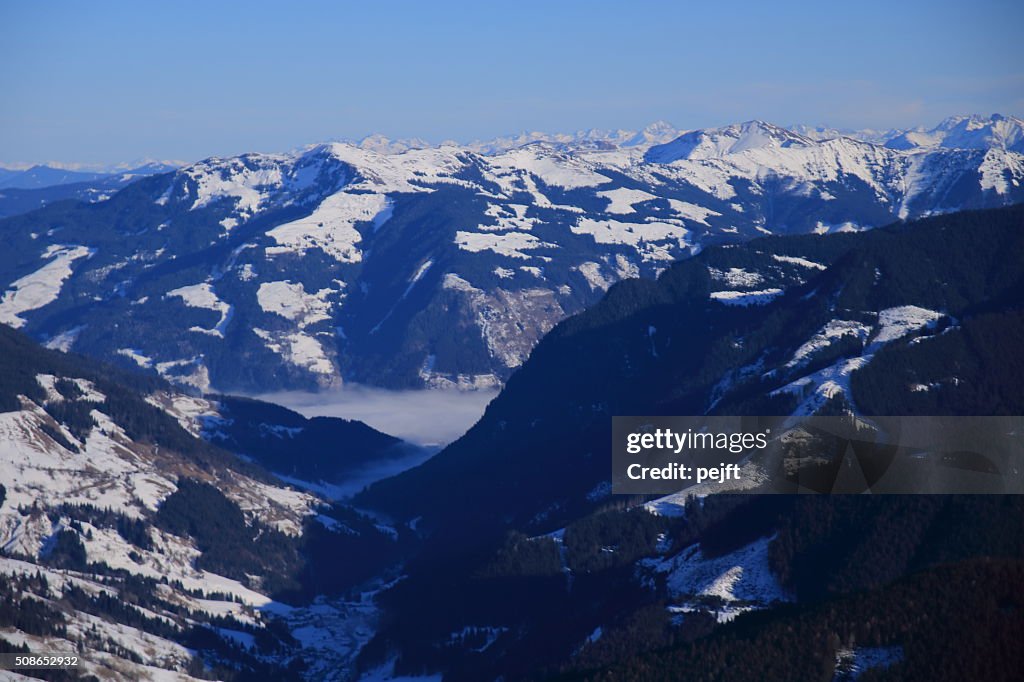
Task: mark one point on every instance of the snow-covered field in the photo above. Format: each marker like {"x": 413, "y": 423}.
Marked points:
{"x": 41, "y": 287}
{"x": 509, "y": 244}
{"x": 724, "y": 586}
{"x": 651, "y": 239}
{"x": 331, "y": 226}
{"x": 290, "y": 301}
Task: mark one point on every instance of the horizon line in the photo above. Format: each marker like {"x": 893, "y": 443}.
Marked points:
{"x": 126, "y": 166}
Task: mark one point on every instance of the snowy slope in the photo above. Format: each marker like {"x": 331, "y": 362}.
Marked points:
{"x": 139, "y": 602}
{"x": 725, "y": 585}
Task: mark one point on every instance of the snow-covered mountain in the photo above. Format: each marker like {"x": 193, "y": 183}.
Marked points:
{"x": 124, "y": 535}
{"x": 397, "y": 264}
{"x": 956, "y": 132}
{"x": 965, "y": 132}
{"x": 593, "y": 138}
{"x": 864, "y": 134}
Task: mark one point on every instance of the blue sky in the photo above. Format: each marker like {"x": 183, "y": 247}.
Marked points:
{"x": 103, "y": 82}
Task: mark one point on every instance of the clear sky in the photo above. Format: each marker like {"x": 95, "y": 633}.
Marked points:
{"x": 100, "y": 82}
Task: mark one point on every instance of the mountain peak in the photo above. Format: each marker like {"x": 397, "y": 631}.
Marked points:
{"x": 714, "y": 143}
{"x": 974, "y": 131}
{"x": 385, "y": 145}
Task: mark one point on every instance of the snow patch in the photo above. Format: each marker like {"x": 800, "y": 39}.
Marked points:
{"x": 508, "y": 217}
{"x": 509, "y": 244}
{"x": 331, "y": 227}
{"x": 746, "y": 298}
{"x": 831, "y": 332}
{"x": 203, "y": 296}
{"x": 644, "y": 237}
{"x": 697, "y": 214}
{"x": 897, "y": 322}
{"x": 299, "y": 349}
{"x": 39, "y": 288}
{"x": 453, "y": 282}
{"x": 136, "y": 356}
{"x": 621, "y": 200}
{"x": 591, "y": 271}
{"x": 737, "y": 278}
{"x": 796, "y": 260}
{"x": 290, "y": 301}
{"x": 726, "y": 586}
{"x": 65, "y": 340}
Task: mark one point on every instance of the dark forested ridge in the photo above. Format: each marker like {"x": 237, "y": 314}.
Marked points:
{"x": 901, "y": 578}
{"x": 967, "y": 266}
{"x": 958, "y": 622}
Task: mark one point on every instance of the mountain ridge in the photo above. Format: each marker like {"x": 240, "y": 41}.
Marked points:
{"x": 437, "y": 267}
{"x": 523, "y": 534}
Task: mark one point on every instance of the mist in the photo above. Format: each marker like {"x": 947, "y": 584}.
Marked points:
{"x": 405, "y": 457}
{"x": 427, "y": 418}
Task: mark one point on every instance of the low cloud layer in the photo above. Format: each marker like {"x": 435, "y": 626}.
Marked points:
{"x": 420, "y": 417}
{"x": 406, "y": 457}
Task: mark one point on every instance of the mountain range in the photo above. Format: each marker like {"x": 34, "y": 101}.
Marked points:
{"x": 400, "y": 265}
{"x": 26, "y": 189}
{"x": 163, "y": 533}
{"x": 956, "y": 132}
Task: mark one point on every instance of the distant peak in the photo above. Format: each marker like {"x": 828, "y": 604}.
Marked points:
{"x": 658, "y": 126}
{"x": 384, "y": 145}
